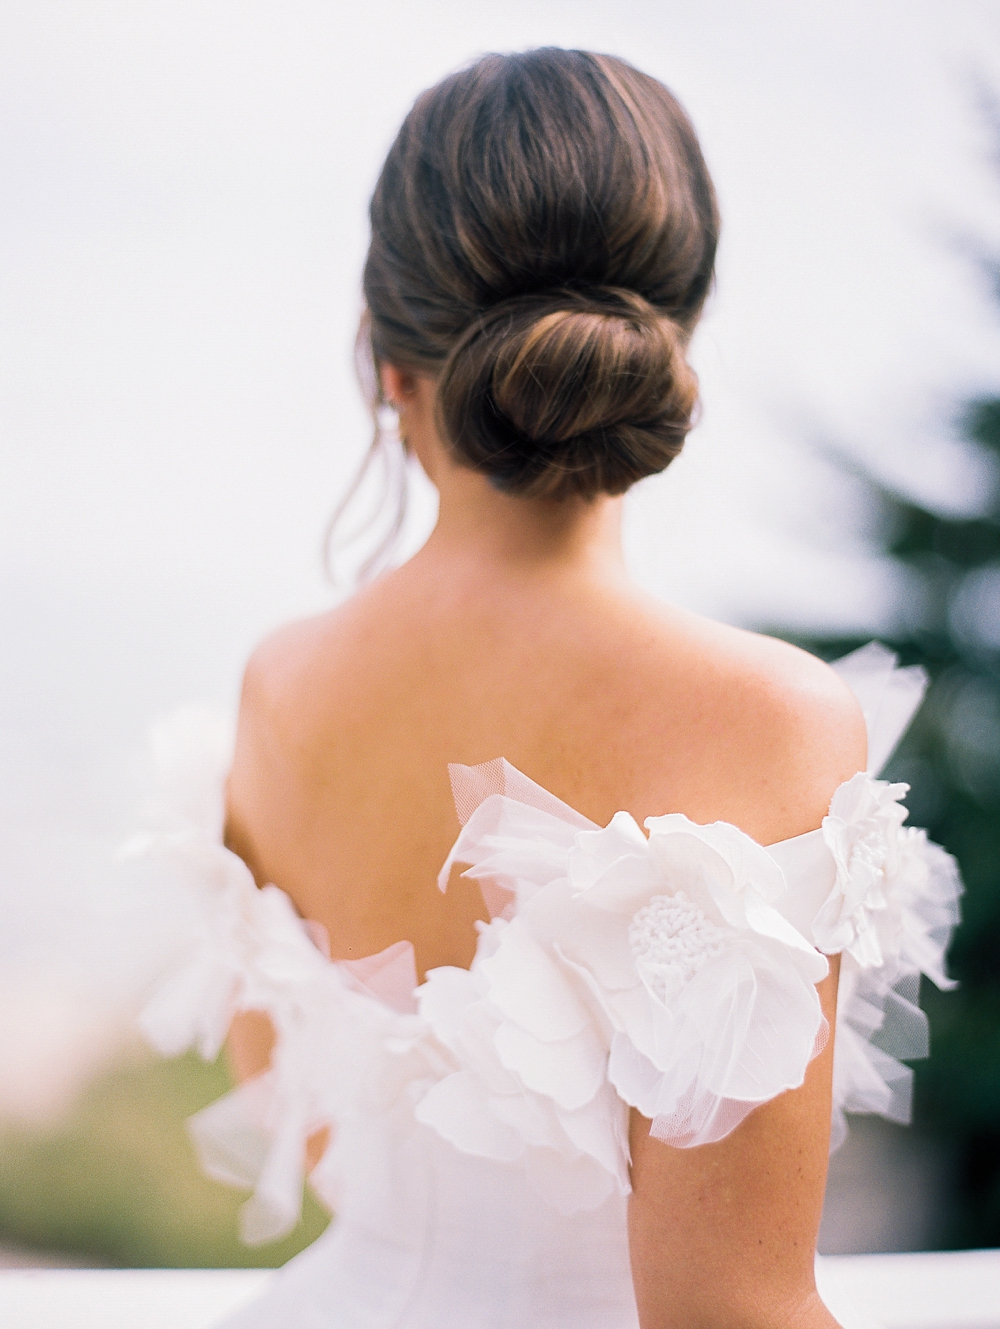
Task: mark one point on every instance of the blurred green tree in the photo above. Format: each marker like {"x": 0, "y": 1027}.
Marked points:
{"x": 950, "y": 624}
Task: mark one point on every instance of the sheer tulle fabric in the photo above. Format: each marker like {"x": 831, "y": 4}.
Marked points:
{"x": 671, "y": 968}
{"x": 914, "y": 893}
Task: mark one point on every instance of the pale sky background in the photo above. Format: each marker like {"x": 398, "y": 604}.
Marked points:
{"x": 183, "y": 189}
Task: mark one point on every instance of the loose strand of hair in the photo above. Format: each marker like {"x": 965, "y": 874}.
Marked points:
{"x": 393, "y": 491}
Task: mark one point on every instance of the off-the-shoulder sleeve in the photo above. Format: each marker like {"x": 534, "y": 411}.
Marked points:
{"x": 646, "y": 970}
{"x": 245, "y": 949}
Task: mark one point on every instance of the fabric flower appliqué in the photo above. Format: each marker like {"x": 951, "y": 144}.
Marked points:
{"x": 654, "y": 969}
{"x": 528, "y": 1081}
{"x": 672, "y": 940}
{"x": 709, "y": 992}
{"x": 864, "y": 833}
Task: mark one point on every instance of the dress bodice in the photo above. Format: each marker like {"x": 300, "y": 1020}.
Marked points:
{"x": 479, "y": 1120}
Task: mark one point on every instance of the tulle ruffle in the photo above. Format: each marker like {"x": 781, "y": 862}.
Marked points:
{"x": 534, "y": 1092}
{"x": 656, "y": 965}
{"x": 345, "y": 1033}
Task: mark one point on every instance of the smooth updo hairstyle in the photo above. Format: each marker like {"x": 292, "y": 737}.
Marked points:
{"x": 543, "y": 237}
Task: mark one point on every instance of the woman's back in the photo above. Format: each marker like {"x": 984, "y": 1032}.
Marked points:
{"x": 547, "y": 657}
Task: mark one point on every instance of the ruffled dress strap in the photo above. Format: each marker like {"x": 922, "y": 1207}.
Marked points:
{"x": 247, "y": 949}
{"x": 647, "y": 970}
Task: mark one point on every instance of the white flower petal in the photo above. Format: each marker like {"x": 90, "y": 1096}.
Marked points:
{"x": 601, "y": 937}
{"x": 759, "y": 1034}
{"x": 533, "y": 1117}
{"x": 459, "y": 1109}
{"x": 570, "y": 1073}
{"x": 721, "y": 856}
{"x": 611, "y": 867}
{"x": 527, "y": 985}
{"x": 601, "y": 1132}
{"x": 443, "y": 999}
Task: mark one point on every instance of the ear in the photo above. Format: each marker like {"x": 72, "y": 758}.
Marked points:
{"x": 398, "y": 385}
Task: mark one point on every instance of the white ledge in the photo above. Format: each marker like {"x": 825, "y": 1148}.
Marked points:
{"x": 941, "y": 1290}
{"x": 937, "y": 1290}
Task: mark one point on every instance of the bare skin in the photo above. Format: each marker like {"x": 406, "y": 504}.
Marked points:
{"x": 515, "y": 632}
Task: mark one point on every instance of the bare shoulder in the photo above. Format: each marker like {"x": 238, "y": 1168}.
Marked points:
{"x": 290, "y": 666}
{"x": 296, "y": 680}
{"x": 799, "y": 728}
{"x": 782, "y": 728}
{"x": 272, "y": 739}
{"x": 293, "y": 666}
{"x": 280, "y": 663}
{"x": 286, "y": 681}
{"x": 789, "y": 694}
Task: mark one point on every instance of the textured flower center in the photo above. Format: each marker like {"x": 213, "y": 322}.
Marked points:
{"x": 671, "y": 940}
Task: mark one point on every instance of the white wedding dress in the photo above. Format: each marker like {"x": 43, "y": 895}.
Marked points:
{"x": 478, "y": 1168}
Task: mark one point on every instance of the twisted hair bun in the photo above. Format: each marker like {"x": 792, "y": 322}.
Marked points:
{"x": 568, "y": 392}
{"x": 543, "y": 240}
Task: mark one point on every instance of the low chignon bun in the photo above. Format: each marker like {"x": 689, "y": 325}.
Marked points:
{"x": 568, "y": 392}
{"x": 543, "y": 241}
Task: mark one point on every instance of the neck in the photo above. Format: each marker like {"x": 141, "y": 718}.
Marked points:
{"x": 479, "y": 523}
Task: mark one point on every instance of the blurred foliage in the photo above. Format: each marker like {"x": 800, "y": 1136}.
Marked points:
{"x": 950, "y": 624}
{"x": 117, "y": 1183}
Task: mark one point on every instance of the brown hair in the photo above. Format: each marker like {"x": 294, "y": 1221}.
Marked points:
{"x": 543, "y": 236}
